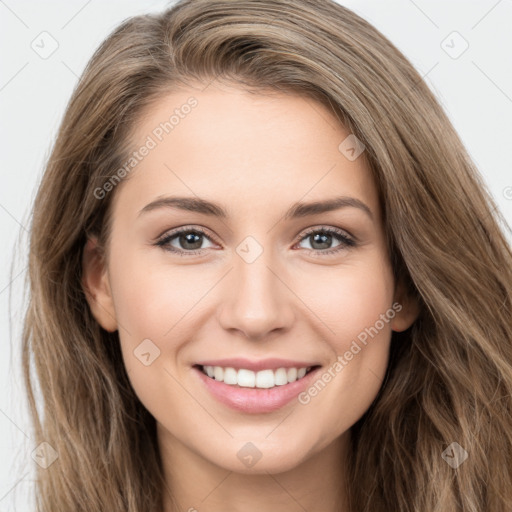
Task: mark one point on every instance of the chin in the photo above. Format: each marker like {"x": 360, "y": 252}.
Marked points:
{"x": 262, "y": 456}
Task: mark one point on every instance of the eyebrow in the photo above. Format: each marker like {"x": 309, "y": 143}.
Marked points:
{"x": 297, "y": 210}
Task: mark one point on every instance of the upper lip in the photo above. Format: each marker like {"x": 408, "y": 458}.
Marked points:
{"x": 257, "y": 365}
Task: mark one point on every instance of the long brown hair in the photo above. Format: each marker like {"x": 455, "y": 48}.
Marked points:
{"x": 450, "y": 375}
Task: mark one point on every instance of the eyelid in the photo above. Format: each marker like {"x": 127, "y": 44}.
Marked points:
{"x": 187, "y": 228}
{"x": 328, "y": 229}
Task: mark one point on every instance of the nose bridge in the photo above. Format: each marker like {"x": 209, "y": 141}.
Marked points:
{"x": 256, "y": 301}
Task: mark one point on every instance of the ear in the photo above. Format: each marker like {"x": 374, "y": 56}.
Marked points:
{"x": 96, "y": 285}
{"x": 409, "y": 310}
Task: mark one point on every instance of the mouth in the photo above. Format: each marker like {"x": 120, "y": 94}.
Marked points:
{"x": 256, "y": 390}
{"x": 263, "y": 379}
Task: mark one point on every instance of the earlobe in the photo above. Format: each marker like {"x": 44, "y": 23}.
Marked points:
{"x": 407, "y": 310}
{"x": 96, "y": 286}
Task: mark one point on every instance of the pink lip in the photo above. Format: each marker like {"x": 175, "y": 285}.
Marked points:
{"x": 256, "y": 366}
{"x": 254, "y": 400}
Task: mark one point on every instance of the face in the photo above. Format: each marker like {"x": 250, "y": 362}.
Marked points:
{"x": 271, "y": 264}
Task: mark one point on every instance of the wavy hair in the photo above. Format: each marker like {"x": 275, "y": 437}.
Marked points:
{"x": 449, "y": 377}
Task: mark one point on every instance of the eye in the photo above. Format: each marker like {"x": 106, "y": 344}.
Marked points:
{"x": 321, "y": 239}
{"x": 188, "y": 240}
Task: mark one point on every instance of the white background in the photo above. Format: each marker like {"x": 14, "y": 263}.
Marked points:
{"x": 475, "y": 89}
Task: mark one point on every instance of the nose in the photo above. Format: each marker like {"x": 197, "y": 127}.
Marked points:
{"x": 256, "y": 302}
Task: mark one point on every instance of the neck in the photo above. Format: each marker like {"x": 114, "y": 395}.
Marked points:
{"x": 195, "y": 484}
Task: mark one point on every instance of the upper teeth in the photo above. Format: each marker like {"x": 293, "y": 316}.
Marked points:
{"x": 249, "y": 379}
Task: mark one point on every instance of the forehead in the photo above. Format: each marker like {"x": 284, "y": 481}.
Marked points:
{"x": 247, "y": 150}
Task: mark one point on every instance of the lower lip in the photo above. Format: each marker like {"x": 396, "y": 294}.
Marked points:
{"x": 255, "y": 400}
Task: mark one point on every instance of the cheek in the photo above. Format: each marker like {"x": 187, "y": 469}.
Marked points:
{"x": 359, "y": 306}
{"x": 356, "y": 305}
{"x": 151, "y": 306}
{"x": 349, "y": 299}
{"x": 153, "y": 300}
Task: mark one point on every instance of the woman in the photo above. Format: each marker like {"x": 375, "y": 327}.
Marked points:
{"x": 370, "y": 369}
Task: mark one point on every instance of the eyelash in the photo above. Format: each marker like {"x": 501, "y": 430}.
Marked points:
{"x": 346, "y": 242}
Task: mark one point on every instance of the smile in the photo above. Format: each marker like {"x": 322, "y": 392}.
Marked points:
{"x": 263, "y": 379}
{"x": 255, "y": 387}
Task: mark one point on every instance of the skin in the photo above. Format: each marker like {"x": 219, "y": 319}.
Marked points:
{"x": 256, "y": 155}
